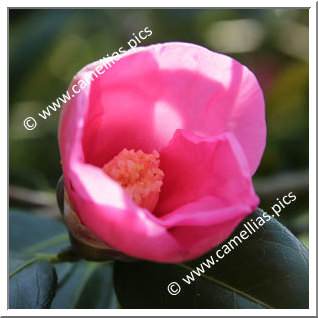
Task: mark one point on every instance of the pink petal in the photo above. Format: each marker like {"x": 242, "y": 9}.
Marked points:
{"x": 197, "y": 167}
{"x": 196, "y": 241}
{"x": 108, "y": 212}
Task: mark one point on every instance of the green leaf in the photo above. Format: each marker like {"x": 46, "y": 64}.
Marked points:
{"x": 85, "y": 285}
{"x": 267, "y": 270}
{"x": 32, "y": 284}
{"x": 80, "y": 285}
{"x": 32, "y": 279}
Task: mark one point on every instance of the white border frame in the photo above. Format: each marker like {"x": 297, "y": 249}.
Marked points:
{"x": 312, "y": 162}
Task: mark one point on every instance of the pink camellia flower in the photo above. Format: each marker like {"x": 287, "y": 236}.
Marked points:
{"x": 159, "y": 150}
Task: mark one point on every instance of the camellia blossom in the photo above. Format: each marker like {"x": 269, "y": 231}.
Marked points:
{"x": 158, "y": 151}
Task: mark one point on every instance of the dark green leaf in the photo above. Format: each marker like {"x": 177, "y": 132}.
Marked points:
{"x": 268, "y": 270}
{"x": 32, "y": 284}
{"x": 80, "y": 285}
{"x": 85, "y": 285}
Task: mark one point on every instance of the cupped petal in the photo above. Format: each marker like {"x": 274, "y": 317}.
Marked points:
{"x": 101, "y": 203}
{"x": 207, "y": 190}
{"x": 212, "y": 170}
{"x": 115, "y": 219}
{"x": 109, "y": 213}
{"x": 195, "y": 241}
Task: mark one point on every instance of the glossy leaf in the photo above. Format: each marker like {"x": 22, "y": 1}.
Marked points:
{"x": 85, "y": 285}
{"x": 79, "y": 285}
{"x": 32, "y": 284}
{"x": 267, "y": 270}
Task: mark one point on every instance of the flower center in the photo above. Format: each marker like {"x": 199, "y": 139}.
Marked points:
{"x": 139, "y": 174}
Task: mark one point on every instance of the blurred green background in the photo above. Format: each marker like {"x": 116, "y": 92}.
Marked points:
{"x": 47, "y": 47}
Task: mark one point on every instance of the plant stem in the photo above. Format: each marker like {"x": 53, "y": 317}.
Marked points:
{"x": 53, "y": 258}
{"x": 66, "y": 255}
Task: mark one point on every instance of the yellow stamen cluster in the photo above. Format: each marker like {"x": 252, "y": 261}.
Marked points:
{"x": 139, "y": 174}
